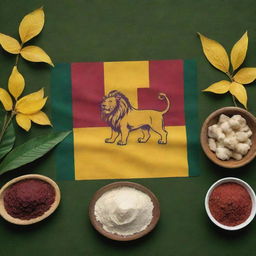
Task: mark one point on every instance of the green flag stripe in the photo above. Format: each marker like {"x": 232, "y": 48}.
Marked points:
{"x": 191, "y": 115}
{"x": 62, "y": 119}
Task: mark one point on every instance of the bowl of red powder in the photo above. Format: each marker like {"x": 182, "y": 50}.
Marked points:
{"x": 230, "y": 203}
{"x": 28, "y": 199}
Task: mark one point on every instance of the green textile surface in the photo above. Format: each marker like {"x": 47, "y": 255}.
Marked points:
{"x": 110, "y": 30}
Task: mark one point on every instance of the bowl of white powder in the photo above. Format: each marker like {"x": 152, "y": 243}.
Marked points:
{"x": 124, "y": 211}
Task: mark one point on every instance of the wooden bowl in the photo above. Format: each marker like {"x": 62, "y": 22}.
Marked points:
{"x": 18, "y": 221}
{"x": 213, "y": 119}
{"x": 98, "y": 226}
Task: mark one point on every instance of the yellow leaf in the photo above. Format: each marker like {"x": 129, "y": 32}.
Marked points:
{"x": 35, "y": 54}
{"x": 29, "y": 107}
{"x": 9, "y": 44}
{"x": 239, "y": 50}
{"x": 40, "y": 118}
{"x": 215, "y": 53}
{"x": 16, "y": 83}
{"x": 219, "y": 87}
{"x": 33, "y": 96}
{"x": 245, "y": 75}
{"x": 23, "y": 121}
{"x": 6, "y": 99}
{"x": 31, "y": 25}
{"x": 239, "y": 92}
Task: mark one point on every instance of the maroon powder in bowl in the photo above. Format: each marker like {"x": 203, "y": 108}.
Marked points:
{"x": 29, "y": 198}
{"x": 230, "y": 204}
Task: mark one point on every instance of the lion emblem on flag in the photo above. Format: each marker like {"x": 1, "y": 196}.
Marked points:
{"x": 123, "y": 118}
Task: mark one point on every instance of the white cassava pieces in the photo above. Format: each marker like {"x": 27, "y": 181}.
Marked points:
{"x": 230, "y": 137}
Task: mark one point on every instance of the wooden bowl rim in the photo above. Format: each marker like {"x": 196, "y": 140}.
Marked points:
{"x": 98, "y": 226}
{"x": 226, "y": 164}
{"x": 18, "y": 221}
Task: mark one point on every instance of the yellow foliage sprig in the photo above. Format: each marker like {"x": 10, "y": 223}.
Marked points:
{"x": 28, "y": 108}
{"x": 30, "y": 26}
{"x": 218, "y": 57}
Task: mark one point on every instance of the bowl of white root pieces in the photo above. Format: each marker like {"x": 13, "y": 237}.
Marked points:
{"x": 228, "y": 137}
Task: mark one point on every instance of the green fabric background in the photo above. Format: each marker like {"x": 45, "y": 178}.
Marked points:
{"x": 108, "y": 30}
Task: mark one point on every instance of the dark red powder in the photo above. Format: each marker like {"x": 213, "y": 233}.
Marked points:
{"x": 29, "y": 198}
{"x": 230, "y": 204}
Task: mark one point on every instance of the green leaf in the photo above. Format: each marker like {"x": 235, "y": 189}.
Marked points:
{"x": 31, "y": 150}
{"x": 7, "y": 141}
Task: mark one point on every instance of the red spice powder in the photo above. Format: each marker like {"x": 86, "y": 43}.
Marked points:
{"x": 29, "y": 198}
{"x": 230, "y": 204}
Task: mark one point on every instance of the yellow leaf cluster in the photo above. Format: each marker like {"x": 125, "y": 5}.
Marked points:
{"x": 30, "y": 26}
{"x": 29, "y": 108}
{"x": 26, "y": 109}
{"x": 218, "y": 57}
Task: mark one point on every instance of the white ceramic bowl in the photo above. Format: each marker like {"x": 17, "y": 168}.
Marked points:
{"x": 18, "y": 221}
{"x": 251, "y": 193}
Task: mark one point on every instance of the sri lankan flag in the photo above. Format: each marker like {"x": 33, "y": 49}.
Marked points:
{"x": 130, "y": 119}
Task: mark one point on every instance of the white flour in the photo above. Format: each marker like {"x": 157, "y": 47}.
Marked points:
{"x": 124, "y": 211}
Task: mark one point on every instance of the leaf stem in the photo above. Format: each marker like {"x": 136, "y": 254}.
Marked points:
{"x": 17, "y": 60}
{"x": 230, "y": 76}
{"x": 18, "y": 55}
{"x": 232, "y": 80}
{"x": 234, "y": 100}
{"x": 6, "y": 124}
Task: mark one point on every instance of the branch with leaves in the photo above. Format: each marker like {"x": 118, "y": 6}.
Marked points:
{"x": 218, "y": 57}
{"x": 30, "y": 26}
{"x": 26, "y": 109}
